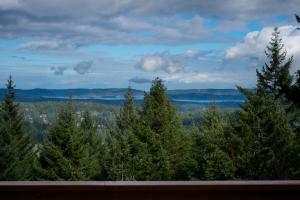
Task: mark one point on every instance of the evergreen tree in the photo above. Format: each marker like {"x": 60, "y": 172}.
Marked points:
{"x": 282, "y": 85}
{"x": 118, "y": 161}
{"x": 267, "y": 138}
{"x": 275, "y": 78}
{"x": 294, "y": 94}
{"x": 167, "y": 142}
{"x": 16, "y": 150}
{"x": 89, "y": 129}
{"x": 211, "y": 144}
{"x": 127, "y": 158}
{"x": 128, "y": 115}
{"x": 94, "y": 144}
{"x": 64, "y": 154}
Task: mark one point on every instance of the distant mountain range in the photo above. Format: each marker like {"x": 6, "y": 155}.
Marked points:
{"x": 222, "y": 97}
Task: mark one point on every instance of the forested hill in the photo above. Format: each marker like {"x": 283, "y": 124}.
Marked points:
{"x": 228, "y": 97}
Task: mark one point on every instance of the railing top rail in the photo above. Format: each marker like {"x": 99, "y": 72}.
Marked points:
{"x": 150, "y": 185}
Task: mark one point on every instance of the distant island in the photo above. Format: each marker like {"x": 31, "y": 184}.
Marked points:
{"x": 115, "y": 96}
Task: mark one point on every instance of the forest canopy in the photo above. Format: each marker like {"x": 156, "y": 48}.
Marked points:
{"x": 259, "y": 140}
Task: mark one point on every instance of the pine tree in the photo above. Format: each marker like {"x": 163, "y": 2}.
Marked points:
{"x": 275, "y": 78}
{"x": 64, "y": 154}
{"x": 16, "y": 150}
{"x": 167, "y": 142}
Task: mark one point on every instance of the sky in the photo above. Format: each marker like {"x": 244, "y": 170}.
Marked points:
{"x": 191, "y": 44}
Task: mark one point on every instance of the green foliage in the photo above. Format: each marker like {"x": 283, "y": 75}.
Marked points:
{"x": 16, "y": 150}
{"x": 118, "y": 161}
{"x": 267, "y": 139}
{"x": 210, "y": 148}
{"x": 64, "y": 154}
{"x": 275, "y": 77}
{"x": 294, "y": 94}
{"x": 167, "y": 142}
{"x": 93, "y": 142}
{"x": 126, "y": 150}
{"x": 86, "y": 142}
{"x": 276, "y": 81}
{"x": 128, "y": 115}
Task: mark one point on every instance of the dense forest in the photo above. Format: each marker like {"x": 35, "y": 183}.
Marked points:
{"x": 259, "y": 140}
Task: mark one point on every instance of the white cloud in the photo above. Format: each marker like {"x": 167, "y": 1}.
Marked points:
{"x": 44, "y": 45}
{"x": 7, "y": 4}
{"x": 161, "y": 61}
{"x": 131, "y": 24}
{"x": 170, "y": 63}
{"x": 84, "y": 22}
{"x": 255, "y": 43}
{"x": 205, "y": 77}
{"x": 192, "y": 54}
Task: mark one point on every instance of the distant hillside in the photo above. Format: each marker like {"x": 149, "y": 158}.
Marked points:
{"x": 223, "y": 97}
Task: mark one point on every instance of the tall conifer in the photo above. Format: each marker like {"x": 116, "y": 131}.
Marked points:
{"x": 64, "y": 154}
{"x": 167, "y": 142}
{"x": 16, "y": 150}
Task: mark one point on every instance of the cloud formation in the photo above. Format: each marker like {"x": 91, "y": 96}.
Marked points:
{"x": 193, "y": 54}
{"x": 84, "y": 22}
{"x": 197, "y": 77}
{"x": 254, "y": 44}
{"x": 231, "y": 9}
{"x": 83, "y": 67}
{"x": 160, "y": 61}
{"x": 167, "y": 62}
{"x": 58, "y": 70}
{"x": 42, "y": 45}
{"x": 139, "y": 80}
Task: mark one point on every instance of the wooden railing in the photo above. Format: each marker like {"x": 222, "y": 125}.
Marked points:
{"x": 156, "y": 190}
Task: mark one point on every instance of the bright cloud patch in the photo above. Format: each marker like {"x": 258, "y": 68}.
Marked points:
{"x": 255, "y": 43}
{"x": 192, "y": 54}
{"x": 45, "y": 45}
{"x": 161, "y": 61}
{"x": 195, "y": 77}
{"x": 170, "y": 63}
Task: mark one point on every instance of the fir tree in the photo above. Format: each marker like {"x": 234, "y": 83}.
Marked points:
{"x": 16, "y": 150}
{"x": 126, "y": 156}
{"x": 128, "y": 115}
{"x": 64, "y": 154}
{"x": 294, "y": 93}
{"x": 275, "y": 77}
{"x": 267, "y": 138}
{"x": 167, "y": 142}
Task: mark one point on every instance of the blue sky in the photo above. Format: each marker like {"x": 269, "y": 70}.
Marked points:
{"x": 116, "y": 43}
